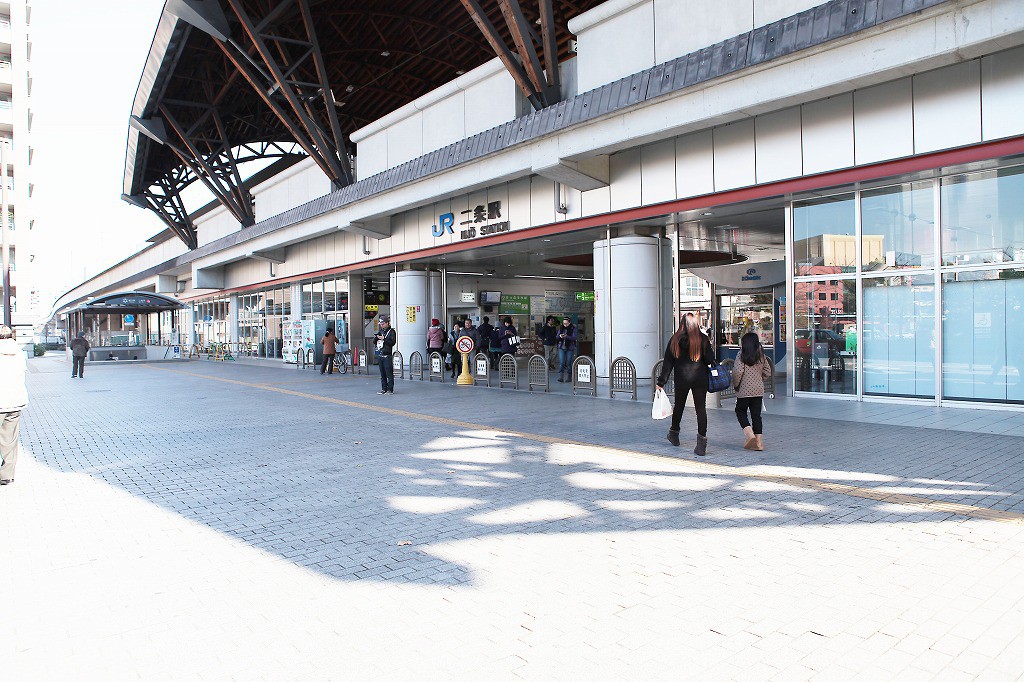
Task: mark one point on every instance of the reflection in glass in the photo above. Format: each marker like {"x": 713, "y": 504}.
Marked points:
{"x": 899, "y": 336}
{"x": 983, "y": 217}
{"x": 825, "y": 337}
{"x": 739, "y": 314}
{"x": 898, "y": 226}
{"x": 983, "y": 335}
{"x": 823, "y": 236}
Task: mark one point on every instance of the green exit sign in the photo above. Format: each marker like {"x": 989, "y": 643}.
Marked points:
{"x": 585, "y": 296}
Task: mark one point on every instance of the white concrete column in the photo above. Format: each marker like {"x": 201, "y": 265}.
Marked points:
{"x": 188, "y": 319}
{"x": 630, "y": 313}
{"x": 296, "y": 296}
{"x": 409, "y": 299}
{"x": 436, "y": 297}
{"x": 233, "y": 318}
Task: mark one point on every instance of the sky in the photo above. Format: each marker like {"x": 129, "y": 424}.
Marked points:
{"x": 87, "y": 58}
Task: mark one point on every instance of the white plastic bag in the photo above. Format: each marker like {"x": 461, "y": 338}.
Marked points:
{"x": 662, "y": 408}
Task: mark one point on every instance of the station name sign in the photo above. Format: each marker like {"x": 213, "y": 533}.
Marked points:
{"x": 477, "y": 223}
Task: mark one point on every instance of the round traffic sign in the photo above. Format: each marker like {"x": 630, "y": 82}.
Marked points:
{"x": 464, "y": 344}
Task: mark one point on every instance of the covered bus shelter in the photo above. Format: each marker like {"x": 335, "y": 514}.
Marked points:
{"x": 129, "y": 325}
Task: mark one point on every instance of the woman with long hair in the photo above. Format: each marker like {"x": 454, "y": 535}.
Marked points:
{"x": 748, "y": 375}
{"x": 689, "y": 355}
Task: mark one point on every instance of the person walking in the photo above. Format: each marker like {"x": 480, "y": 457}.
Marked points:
{"x": 689, "y": 354}
{"x": 453, "y": 358}
{"x": 509, "y": 337}
{"x": 751, "y": 369}
{"x": 484, "y": 330}
{"x": 549, "y": 337}
{"x": 384, "y": 348}
{"x": 13, "y": 399}
{"x": 566, "y": 338}
{"x": 330, "y": 344}
{"x": 435, "y": 337}
{"x": 79, "y": 349}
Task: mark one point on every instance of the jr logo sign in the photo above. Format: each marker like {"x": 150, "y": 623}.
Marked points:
{"x": 445, "y": 222}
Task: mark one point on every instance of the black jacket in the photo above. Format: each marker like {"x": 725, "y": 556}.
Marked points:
{"x": 390, "y": 338}
{"x": 688, "y": 372}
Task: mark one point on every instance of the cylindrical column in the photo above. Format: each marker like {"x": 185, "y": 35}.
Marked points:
{"x": 409, "y": 306}
{"x": 634, "y": 302}
{"x": 436, "y": 300}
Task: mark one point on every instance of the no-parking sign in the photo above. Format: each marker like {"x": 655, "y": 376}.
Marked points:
{"x": 464, "y": 344}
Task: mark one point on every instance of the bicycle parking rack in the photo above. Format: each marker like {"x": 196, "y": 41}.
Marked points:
{"x": 584, "y": 375}
{"x": 436, "y": 371}
{"x": 537, "y": 373}
{"x": 508, "y": 371}
{"x": 622, "y": 377}
{"x": 670, "y": 383}
{"x": 416, "y": 366}
{"x": 398, "y": 363}
{"x": 481, "y": 366}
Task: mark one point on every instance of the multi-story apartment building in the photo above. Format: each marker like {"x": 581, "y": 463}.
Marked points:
{"x": 21, "y": 298}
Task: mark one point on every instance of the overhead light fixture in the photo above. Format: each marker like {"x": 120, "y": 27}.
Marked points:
{"x": 459, "y": 72}
{"x": 349, "y": 88}
{"x": 547, "y": 240}
{"x": 385, "y": 53}
{"x": 707, "y": 213}
{"x": 567, "y": 279}
{"x": 470, "y": 274}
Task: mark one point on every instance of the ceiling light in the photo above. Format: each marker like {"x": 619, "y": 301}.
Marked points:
{"x": 459, "y": 72}
{"x": 547, "y": 240}
{"x": 706, "y": 213}
{"x": 385, "y": 53}
{"x": 349, "y": 88}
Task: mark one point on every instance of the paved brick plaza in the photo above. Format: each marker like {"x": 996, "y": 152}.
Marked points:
{"x": 208, "y": 521}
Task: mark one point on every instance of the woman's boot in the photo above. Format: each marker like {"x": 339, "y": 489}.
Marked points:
{"x": 759, "y": 444}
{"x": 702, "y": 446}
{"x": 673, "y": 437}
{"x": 748, "y": 438}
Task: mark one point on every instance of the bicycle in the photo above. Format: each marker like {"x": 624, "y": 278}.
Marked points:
{"x": 342, "y": 361}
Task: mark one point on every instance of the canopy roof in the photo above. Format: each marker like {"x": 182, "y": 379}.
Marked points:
{"x": 137, "y": 302}
{"x": 231, "y": 81}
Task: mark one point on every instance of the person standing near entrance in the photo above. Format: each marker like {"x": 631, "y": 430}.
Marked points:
{"x": 13, "y": 399}
{"x": 453, "y": 357}
{"x": 330, "y": 344}
{"x": 484, "y": 331}
{"x": 509, "y": 337}
{"x": 79, "y": 349}
{"x": 566, "y": 343}
{"x": 384, "y": 348}
{"x": 435, "y": 337}
{"x": 748, "y": 375}
{"x": 689, "y": 354}
{"x": 549, "y": 337}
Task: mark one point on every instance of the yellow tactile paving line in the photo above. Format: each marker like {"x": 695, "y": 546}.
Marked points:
{"x": 918, "y": 501}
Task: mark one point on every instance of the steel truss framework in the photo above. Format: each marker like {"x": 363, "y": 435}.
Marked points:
{"x": 256, "y": 79}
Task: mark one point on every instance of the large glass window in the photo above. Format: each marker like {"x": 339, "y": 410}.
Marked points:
{"x": 899, "y": 336}
{"x": 983, "y": 335}
{"x": 898, "y": 227}
{"x": 824, "y": 239}
{"x": 983, "y": 217}
{"x": 742, "y": 313}
{"x": 825, "y": 337}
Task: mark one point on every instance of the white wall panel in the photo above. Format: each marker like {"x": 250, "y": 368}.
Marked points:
{"x": 405, "y": 140}
{"x": 625, "y": 179}
{"x": 767, "y": 11}
{"x": 734, "y": 155}
{"x": 490, "y": 103}
{"x": 658, "y": 172}
{"x": 216, "y": 225}
{"x": 883, "y": 122}
{"x": 595, "y": 201}
{"x": 828, "y": 134}
{"x": 777, "y": 145}
{"x": 517, "y": 210}
{"x": 542, "y": 200}
{"x": 372, "y": 155}
{"x": 947, "y": 107}
{"x": 444, "y": 122}
{"x": 683, "y": 26}
{"x": 695, "y": 165}
{"x": 1002, "y": 94}
{"x": 618, "y": 47}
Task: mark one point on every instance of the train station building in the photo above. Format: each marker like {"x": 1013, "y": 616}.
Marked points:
{"x": 845, "y": 179}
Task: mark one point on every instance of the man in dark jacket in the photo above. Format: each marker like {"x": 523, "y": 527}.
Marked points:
{"x": 548, "y": 337}
{"x": 566, "y": 349}
{"x": 79, "y": 349}
{"x": 485, "y": 330}
{"x": 384, "y": 348}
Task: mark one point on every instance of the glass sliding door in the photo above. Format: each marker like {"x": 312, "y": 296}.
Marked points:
{"x": 899, "y": 335}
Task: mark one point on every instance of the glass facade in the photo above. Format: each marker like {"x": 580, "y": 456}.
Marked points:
{"x": 261, "y": 316}
{"x": 914, "y": 290}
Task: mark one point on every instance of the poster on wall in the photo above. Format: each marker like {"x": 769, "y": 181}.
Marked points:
{"x": 514, "y": 304}
{"x": 291, "y": 340}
